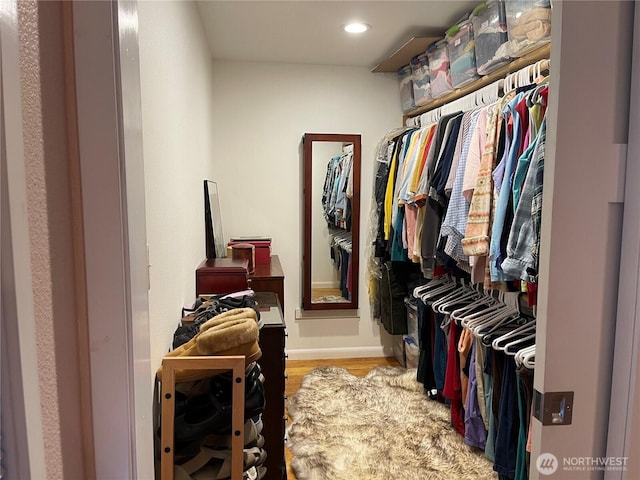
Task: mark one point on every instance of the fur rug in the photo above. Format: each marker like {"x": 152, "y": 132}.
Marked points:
{"x": 329, "y": 299}
{"x": 380, "y": 427}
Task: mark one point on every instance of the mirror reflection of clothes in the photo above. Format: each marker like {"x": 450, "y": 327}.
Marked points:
{"x": 340, "y": 246}
{"x": 337, "y": 190}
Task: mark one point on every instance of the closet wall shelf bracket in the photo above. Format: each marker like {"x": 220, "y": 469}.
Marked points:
{"x": 216, "y": 364}
{"x": 521, "y": 62}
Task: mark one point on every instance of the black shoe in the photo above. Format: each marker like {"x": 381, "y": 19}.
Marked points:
{"x": 202, "y": 415}
{"x": 253, "y": 405}
{"x": 222, "y": 385}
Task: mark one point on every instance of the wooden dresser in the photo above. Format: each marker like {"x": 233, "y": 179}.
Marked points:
{"x": 269, "y": 278}
{"x": 272, "y": 343}
{"x": 268, "y": 283}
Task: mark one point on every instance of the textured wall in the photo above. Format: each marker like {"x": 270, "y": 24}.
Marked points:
{"x": 51, "y": 240}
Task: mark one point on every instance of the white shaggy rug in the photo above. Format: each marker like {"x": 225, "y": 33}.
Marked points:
{"x": 380, "y": 427}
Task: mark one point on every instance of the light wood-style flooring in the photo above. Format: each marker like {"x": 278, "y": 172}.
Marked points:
{"x": 296, "y": 369}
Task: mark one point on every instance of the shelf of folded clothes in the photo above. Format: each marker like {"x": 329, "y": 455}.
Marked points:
{"x": 515, "y": 64}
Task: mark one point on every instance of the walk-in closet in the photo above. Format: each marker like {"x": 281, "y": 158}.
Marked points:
{"x": 478, "y": 315}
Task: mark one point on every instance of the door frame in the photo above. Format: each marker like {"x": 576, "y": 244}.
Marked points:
{"x": 22, "y": 427}
{"x": 624, "y": 418}
{"x": 113, "y": 203}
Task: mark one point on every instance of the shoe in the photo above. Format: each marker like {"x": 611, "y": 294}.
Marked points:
{"x": 216, "y": 464}
{"x": 259, "y": 442}
{"x": 231, "y": 333}
{"x": 203, "y": 414}
{"x": 242, "y": 312}
{"x": 256, "y": 473}
{"x": 252, "y": 439}
{"x": 229, "y": 315}
{"x": 254, "y": 399}
{"x": 238, "y": 336}
{"x": 258, "y": 422}
{"x": 192, "y": 323}
{"x": 222, "y": 384}
{"x": 180, "y": 403}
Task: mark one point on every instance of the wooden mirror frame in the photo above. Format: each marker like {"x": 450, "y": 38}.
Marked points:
{"x": 309, "y": 196}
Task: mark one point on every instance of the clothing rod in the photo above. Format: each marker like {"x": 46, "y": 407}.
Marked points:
{"x": 517, "y": 64}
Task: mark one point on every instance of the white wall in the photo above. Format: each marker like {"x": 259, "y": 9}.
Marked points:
{"x": 177, "y": 115}
{"x": 261, "y": 112}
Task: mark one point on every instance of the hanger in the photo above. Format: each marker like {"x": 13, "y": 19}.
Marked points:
{"x": 469, "y": 319}
{"x": 509, "y": 83}
{"x": 497, "y": 321}
{"x": 499, "y": 343}
{"x": 481, "y": 304}
{"x": 508, "y": 348}
{"x": 489, "y": 315}
{"x": 526, "y": 357}
{"x": 542, "y": 65}
{"x": 435, "y": 293}
{"x": 446, "y": 295}
{"x": 484, "y": 301}
{"x": 468, "y": 295}
{"x": 506, "y": 315}
{"x": 430, "y": 285}
{"x": 491, "y": 92}
{"x": 523, "y": 78}
{"x": 437, "y": 282}
{"x": 461, "y": 290}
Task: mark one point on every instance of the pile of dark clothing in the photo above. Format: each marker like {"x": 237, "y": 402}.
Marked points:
{"x": 207, "y": 307}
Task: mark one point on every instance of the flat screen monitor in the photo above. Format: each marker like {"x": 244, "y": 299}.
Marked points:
{"x": 214, "y": 239}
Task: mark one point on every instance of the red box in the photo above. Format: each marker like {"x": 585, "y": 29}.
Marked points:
{"x": 263, "y": 250}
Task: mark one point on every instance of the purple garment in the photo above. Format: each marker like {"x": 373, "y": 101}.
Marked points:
{"x": 475, "y": 434}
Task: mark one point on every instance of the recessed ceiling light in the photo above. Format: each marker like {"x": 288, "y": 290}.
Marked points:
{"x": 356, "y": 27}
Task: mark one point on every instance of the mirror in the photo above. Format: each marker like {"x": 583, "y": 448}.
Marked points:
{"x": 331, "y": 221}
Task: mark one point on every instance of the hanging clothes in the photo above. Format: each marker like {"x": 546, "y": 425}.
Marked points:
{"x": 336, "y": 201}
{"x": 463, "y": 195}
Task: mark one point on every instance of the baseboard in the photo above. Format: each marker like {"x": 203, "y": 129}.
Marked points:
{"x": 302, "y": 314}
{"x": 329, "y": 284}
{"x": 346, "y": 352}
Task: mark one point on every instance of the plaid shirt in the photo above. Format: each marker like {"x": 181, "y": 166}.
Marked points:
{"x": 536, "y": 209}
{"x": 455, "y": 222}
{"x": 524, "y": 236}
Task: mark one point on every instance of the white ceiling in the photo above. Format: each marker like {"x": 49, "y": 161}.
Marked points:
{"x": 308, "y": 31}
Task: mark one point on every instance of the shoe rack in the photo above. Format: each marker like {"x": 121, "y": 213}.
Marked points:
{"x": 217, "y": 365}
